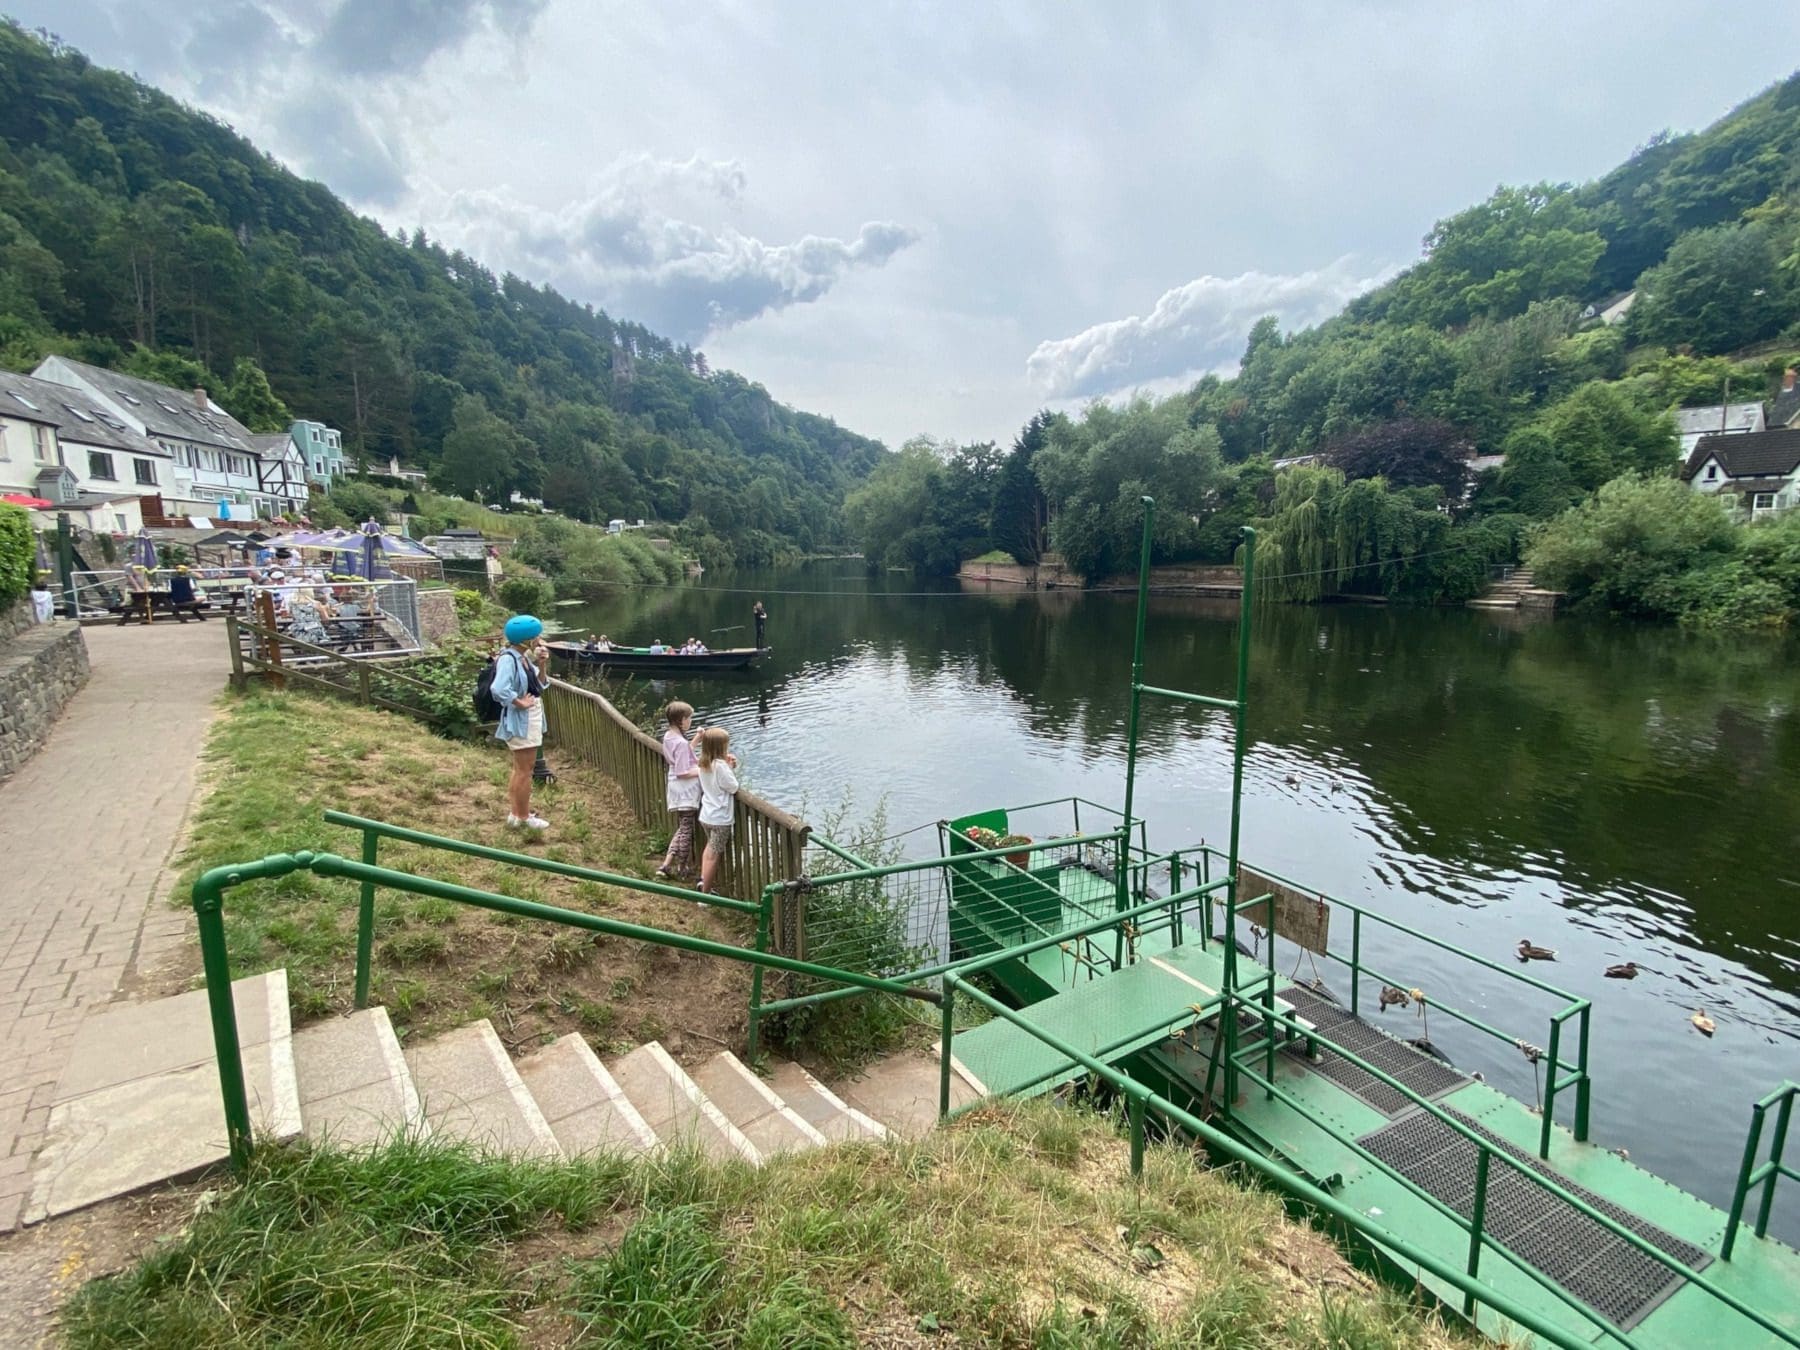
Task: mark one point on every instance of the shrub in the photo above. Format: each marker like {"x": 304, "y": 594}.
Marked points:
{"x": 18, "y": 551}
{"x": 527, "y": 595}
{"x": 470, "y": 606}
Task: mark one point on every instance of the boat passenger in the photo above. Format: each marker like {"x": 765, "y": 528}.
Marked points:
{"x": 699, "y": 647}
{"x": 591, "y": 645}
{"x": 604, "y": 645}
{"x": 658, "y": 649}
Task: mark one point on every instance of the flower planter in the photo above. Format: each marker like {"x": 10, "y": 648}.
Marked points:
{"x": 1021, "y": 860}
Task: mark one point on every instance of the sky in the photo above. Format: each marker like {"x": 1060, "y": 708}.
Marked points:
{"x": 924, "y": 218}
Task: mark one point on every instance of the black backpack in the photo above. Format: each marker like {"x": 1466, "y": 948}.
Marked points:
{"x": 487, "y": 707}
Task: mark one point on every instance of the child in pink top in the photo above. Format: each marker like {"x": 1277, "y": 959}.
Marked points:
{"x": 683, "y": 791}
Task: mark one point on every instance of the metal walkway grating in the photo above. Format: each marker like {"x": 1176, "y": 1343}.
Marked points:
{"x": 1430, "y": 1078}
{"x": 1600, "y": 1268}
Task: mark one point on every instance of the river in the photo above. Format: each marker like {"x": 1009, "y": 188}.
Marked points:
{"x": 1615, "y": 792}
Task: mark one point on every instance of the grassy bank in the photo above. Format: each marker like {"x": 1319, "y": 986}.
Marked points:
{"x": 276, "y": 762}
{"x": 1017, "y": 1226}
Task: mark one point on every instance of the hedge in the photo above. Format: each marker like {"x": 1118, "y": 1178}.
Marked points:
{"x": 18, "y": 553}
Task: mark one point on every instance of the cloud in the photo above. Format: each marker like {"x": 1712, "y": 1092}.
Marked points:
{"x": 624, "y": 246}
{"x": 340, "y": 144}
{"x": 387, "y": 37}
{"x": 1192, "y": 329}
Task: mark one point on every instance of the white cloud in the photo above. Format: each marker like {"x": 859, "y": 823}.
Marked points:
{"x": 624, "y": 245}
{"x": 1195, "y": 328}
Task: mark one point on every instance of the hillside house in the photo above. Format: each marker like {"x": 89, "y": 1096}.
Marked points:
{"x": 322, "y": 447}
{"x": 1717, "y": 419}
{"x": 214, "y": 462}
{"x": 1785, "y": 412}
{"x": 1758, "y": 471}
{"x": 281, "y": 471}
{"x": 65, "y": 447}
{"x": 1612, "y": 309}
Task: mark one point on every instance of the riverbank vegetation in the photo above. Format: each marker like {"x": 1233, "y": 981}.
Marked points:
{"x": 1390, "y": 418}
{"x": 1018, "y": 1225}
{"x": 277, "y": 761}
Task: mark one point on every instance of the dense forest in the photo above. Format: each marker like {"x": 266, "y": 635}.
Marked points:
{"x": 138, "y": 233}
{"x": 1488, "y": 345}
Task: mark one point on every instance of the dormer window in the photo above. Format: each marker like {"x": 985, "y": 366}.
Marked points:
{"x": 1712, "y": 473}
{"x": 78, "y": 412}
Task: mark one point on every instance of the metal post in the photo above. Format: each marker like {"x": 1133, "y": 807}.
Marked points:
{"x": 1550, "y": 1088}
{"x": 1355, "y": 959}
{"x": 1582, "y": 1084}
{"x": 209, "y": 912}
{"x": 948, "y": 1028}
{"x": 753, "y": 1037}
{"x": 1174, "y": 888}
{"x": 65, "y": 563}
{"x": 1776, "y": 1148}
{"x": 365, "y": 920}
{"x": 1228, "y": 1014}
{"x": 1136, "y": 1110}
{"x": 1131, "y": 718}
{"x": 1475, "y": 1226}
{"x": 1742, "y": 1191}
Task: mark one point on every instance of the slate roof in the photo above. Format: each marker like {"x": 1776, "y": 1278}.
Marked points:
{"x": 77, "y": 417}
{"x": 1736, "y": 417}
{"x": 165, "y": 411}
{"x": 1786, "y": 409}
{"x": 275, "y": 447}
{"x": 1752, "y": 454}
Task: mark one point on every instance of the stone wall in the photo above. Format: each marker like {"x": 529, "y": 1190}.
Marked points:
{"x": 41, "y": 668}
{"x": 1051, "y": 574}
{"x": 437, "y": 616}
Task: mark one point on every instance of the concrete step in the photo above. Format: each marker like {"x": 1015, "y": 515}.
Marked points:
{"x": 139, "y": 1103}
{"x": 754, "y": 1107}
{"x": 355, "y": 1088}
{"x": 822, "y": 1108}
{"x": 673, "y": 1105}
{"x": 901, "y": 1091}
{"x": 586, "y": 1108}
{"x": 471, "y": 1091}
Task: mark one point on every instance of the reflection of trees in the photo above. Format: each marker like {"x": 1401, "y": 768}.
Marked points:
{"x": 1621, "y": 758}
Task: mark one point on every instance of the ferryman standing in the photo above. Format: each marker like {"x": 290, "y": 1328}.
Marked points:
{"x": 761, "y": 616}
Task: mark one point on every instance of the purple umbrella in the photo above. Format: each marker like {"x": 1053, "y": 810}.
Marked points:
{"x": 143, "y": 550}
{"x": 371, "y": 547}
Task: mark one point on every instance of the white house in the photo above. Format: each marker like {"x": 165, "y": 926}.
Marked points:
{"x": 1612, "y": 309}
{"x": 213, "y": 458}
{"x": 1717, "y": 419}
{"x": 1759, "y": 471}
{"x": 281, "y": 471}
{"x": 61, "y": 445}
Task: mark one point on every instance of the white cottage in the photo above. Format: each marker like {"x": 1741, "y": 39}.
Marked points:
{"x": 65, "y": 447}
{"x": 1759, "y": 472}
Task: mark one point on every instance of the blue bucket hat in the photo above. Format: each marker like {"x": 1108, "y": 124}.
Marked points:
{"x": 523, "y": 628}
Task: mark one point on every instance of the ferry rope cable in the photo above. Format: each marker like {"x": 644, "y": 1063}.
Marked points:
{"x": 962, "y": 595}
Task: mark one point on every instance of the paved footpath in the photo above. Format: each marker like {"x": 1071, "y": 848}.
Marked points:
{"x": 87, "y": 829}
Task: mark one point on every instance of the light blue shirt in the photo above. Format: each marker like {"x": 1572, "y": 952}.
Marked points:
{"x": 510, "y": 681}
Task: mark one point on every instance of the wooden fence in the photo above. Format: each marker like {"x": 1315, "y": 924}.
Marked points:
{"x": 257, "y": 649}
{"x": 768, "y": 845}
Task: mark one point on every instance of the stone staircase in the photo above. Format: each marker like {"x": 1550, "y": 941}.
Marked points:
{"x": 1517, "y": 590}
{"x": 139, "y": 1103}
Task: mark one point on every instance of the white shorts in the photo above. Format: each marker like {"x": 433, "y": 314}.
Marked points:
{"x": 534, "y": 730}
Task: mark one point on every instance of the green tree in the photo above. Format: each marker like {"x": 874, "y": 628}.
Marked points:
{"x": 1600, "y": 432}
{"x": 1716, "y": 290}
{"x": 1019, "y": 519}
{"x": 478, "y": 459}
{"x": 249, "y": 399}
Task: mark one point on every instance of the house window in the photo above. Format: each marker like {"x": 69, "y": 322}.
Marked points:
{"x": 1712, "y": 473}
{"x": 1762, "y": 501}
{"x": 145, "y": 470}
{"x": 237, "y": 464}
{"x": 101, "y": 466}
{"x": 119, "y": 521}
{"x": 40, "y": 444}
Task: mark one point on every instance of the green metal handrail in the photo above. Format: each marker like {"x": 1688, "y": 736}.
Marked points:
{"x": 1768, "y": 1172}
{"x": 1141, "y": 1098}
{"x": 978, "y": 855}
{"x": 373, "y": 831}
{"x": 1296, "y": 1025}
{"x": 209, "y": 900}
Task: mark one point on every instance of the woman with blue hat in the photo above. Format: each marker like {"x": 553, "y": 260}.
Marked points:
{"x": 519, "y": 676}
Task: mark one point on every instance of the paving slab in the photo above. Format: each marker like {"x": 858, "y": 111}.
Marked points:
{"x": 138, "y": 1112}
{"x": 901, "y": 1091}
{"x": 820, "y": 1107}
{"x": 470, "y": 1091}
{"x": 673, "y": 1105}
{"x": 355, "y": 1087}
{"x": 754, "y": 1107}
{"x": 587, "y": 1110}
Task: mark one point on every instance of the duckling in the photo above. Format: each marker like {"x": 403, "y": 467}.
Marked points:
{"x": 1392, "y": 997}
{"x": 1703, "y": 1024}
{"x": 1292, "y": 780}
{"x": 1626, "y": 971}
{"x": 1527, "y": 952}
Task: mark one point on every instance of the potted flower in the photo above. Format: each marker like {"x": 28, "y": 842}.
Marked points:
{"x": 1021, "y": 860}
{"x": 982, "y": 837}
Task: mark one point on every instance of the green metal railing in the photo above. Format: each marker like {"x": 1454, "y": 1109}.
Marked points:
{"x": 1752, "y": 1175}
{"x": 1574, "y": 1007}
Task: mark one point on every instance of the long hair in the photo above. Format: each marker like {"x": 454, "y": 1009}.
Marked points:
{"x": 714, "y": 742}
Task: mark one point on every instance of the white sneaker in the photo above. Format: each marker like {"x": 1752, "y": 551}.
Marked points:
{"x": 535, "y": 822}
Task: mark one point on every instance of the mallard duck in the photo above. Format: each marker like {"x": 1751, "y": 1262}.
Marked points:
{"x": 1702, "y": 1023}
{"x": 1392, "y": 997}
{"x": 1292, "y": 780}
{"x": 1626, "y": 971}
{"x": 1527, "y": 952}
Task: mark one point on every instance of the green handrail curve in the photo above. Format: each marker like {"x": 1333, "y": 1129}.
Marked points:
{"x": 926, "y": 864}
{"x": 1287, "y": 1179}
{"x": 1295, "y": 1025}
{"x": 1750, "y": 1175}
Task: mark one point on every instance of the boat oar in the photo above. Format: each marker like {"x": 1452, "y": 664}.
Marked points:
{"x": 736, "y": 627}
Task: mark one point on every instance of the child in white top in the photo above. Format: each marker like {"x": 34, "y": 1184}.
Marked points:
{"x": 683, "y": 791}
{"x": 718, "y": 793}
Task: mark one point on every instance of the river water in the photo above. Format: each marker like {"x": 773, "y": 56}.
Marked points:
{"x": 1612, "y": 791}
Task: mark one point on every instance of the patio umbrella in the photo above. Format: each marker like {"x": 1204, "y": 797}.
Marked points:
{"x": 143, "y": 549}
{"x": 371, "y": 547}
{"x": 26, "y": 499}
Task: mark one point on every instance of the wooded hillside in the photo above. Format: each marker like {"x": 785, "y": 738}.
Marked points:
{"x": 136, "y": 232}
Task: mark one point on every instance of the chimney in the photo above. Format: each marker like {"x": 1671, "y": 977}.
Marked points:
{"x": 1787, "y": 380}
{"x": 200, "y": 399}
